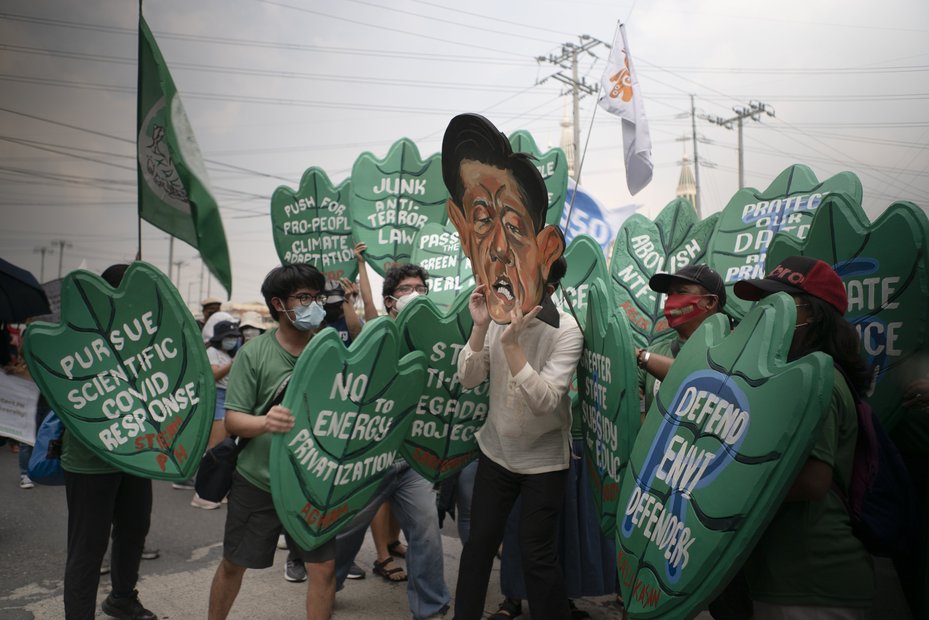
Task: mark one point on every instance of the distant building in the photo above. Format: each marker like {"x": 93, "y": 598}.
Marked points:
{"x": 686, "y": 185}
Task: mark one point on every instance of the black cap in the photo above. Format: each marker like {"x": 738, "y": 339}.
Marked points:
{"x": 698, "y": 274}
{"x": 223, "y": 329}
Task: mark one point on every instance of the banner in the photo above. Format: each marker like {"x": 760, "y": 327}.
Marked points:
{"x": 441, "y": 439}
{"x": 312, "y": 225}
{"x": 749, "y": 222}
{"x": 174, "y": 190}
{"x": 392, "y": 199}
{"x": 621, "y": 95}
{"x": 18, "y": 398}
{"x": 676, "y": 239}
{"x": 607, "y": 400}
{"x": 885, "y": 269}
{"x": 353, "y": 409}
{"x": 721, "y": 445}
{"x": 553, "y": 166}
{"x": 437, "y": 249}
{"x": 127, "y": 373}
{"x": 588, "y": 217}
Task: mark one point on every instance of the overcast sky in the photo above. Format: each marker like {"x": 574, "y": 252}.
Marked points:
{"x": 272, "y": 88}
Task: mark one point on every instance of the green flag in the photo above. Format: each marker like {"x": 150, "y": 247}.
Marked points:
{"x": 174, "y": 192}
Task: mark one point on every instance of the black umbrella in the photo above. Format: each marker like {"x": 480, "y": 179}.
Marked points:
{"x": 21, "y": 295}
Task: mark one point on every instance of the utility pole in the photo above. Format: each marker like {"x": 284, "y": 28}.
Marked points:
{"x": 567, "y": 60}
{"x": 170, "y": 256}
{"x": 693, "y": 126}
{"x": 202, "y": 264}
{"x": 43, "y": 251}
{"x": 753, "y": 111}
{"x": 178, "y": 264}
{"x": 61, "y": 253}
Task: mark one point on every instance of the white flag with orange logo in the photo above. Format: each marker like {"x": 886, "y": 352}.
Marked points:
{"x": 621, "y": 96}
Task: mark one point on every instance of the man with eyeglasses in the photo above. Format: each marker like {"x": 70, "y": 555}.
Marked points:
{"x": 294, "y": 296}
{"x": 411, "y": 498}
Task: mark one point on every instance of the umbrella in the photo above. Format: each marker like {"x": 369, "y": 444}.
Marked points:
{"x": 21, "y": 295}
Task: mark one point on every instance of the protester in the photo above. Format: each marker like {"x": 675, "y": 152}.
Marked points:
{"x": 225, "y": 342}
{"x": 209, "y": 307}
{"x": 340, "y": 309}
{"x": 251, "y": 325}
{"x": 101, "y": 497}
{"x": 808, "y": 563}
{"x": 529, "y": 353}
{"x": 216, "y": 317}
{"x": 411, "y": 498}
{"x": 294, "y": 295}
{"x": 587, "y": 557}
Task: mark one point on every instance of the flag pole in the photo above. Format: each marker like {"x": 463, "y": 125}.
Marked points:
{"x": 138, "y": 123}
{"x": 580, "y": 164}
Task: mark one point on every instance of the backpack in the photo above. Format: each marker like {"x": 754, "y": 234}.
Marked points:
{"x": 880, "y": 495}
{"x": 45, "y": 462}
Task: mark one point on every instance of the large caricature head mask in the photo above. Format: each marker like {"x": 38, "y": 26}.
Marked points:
{"x": 498, "y": 204}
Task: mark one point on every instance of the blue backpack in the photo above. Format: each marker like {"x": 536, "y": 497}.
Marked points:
{"x": 880, "y": 494}
{"x": 45, "y": 463}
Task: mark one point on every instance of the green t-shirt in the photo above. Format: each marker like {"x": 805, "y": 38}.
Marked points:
{"x": 257, "y": 371}
{"x": 648, "y": 383}
{"x": 79, "y": 459}
{"x": 808, "y": 555}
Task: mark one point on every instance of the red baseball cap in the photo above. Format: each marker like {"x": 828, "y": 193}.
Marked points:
{"x": 798, "y": 274}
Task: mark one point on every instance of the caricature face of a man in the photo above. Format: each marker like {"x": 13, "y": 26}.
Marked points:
{"x": 498, "y": 235}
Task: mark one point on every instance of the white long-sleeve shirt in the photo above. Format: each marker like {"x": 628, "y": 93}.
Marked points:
{"x": 528, "y": 427}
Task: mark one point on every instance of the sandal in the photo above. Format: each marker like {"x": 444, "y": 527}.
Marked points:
{"x": 389, "y": 574}
{"x": 509, "y": 608}
{"x": 394, "y": 548}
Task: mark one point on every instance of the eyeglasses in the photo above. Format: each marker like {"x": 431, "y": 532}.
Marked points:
{"x": 422, "y": 289}
{"x": 305, "y": 298}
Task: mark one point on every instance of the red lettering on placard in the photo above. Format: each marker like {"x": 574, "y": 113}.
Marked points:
{"x": 314, "y": 516}
{"x": 161, "y": 458}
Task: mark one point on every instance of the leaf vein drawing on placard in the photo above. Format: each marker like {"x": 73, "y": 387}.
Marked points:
{"x": 127, "y": 372}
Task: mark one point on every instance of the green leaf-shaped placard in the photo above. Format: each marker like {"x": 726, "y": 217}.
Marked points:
{"x": 749, "y": 222}
{"x": 441, "y": 439}
{"x": 885, "y": 269}
{"x": 554, "y": 168}
{"x": 393, "y": 199}
{"x": 586, "y": 263}
{"x": 722, "y": 443}
{"x": 677, "y": 238}
{"x": 312, "y": 225}
{"x": 127, "y": 373}
{"x": 352, "y": 408}
{"x": 608, "y": 397}
{"x": 437, "y": 249}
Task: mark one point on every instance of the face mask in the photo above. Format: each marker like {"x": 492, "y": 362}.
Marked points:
{"x": 230, "y": 344}
{"x": 308, "y": 317}
{"x": 249, "y": 332}
{"x": 403, "y": 301}
{"x": 679, "y": 309}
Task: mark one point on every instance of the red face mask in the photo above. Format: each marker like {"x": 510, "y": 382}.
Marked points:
{"x": 679, "y": 309}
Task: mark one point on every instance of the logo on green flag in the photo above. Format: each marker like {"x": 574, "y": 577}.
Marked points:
{"x": 312, "y": 225}
{"x": 747, "y": 225}
{"x": 885, "y": 269}
{"x": 353, "y": 408}
{"x": 722, "y": 443}
{"x": 174, "y": 192}
{"x": 392, "y": 199}
{"x": 127, "y": 373}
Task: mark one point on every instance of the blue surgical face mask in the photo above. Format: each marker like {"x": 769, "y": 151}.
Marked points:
{"x": 308, "y": 317}
{"x": 230, "y": 344}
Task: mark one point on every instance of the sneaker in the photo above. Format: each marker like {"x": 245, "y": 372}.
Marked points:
{"x": 183, "y": 485}
{"x": 356, "y": 572}
{"x": 281, "y": 542}
{"x": 105, "y": 566}
{"x": 128, "y": 608}
{"x": 25, "y": 482}
{"x": 294, "y": 570}
{"x": 150, "y": 554}
{"x": 199, "y": 502}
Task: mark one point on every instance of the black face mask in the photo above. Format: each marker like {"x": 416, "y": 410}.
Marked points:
{"x": 333, "y": 312}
